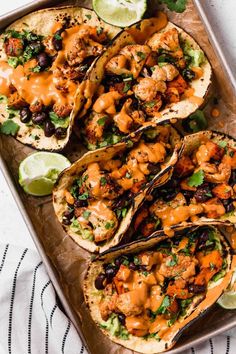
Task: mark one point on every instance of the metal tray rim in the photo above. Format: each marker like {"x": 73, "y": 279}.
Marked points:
{"x": 10, "y": 17}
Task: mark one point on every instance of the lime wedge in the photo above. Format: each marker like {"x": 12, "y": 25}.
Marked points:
{"x": 228, "y": 299}
{"x": 38, "y": 172}
{"x": 121, "y": 13}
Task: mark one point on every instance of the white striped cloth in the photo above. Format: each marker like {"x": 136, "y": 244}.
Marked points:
{"x": 31, "y": 321}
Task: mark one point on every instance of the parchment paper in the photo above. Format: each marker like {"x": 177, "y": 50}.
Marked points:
{"x": 68, "y": 258}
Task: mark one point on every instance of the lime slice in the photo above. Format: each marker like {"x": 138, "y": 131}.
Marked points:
{"x": 228, "y": 299}
{"x": 121, "y": 13}
{"x": 39, "y": 171}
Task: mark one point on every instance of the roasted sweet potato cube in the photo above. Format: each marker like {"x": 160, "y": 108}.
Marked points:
{"x": 179, "y": 83}
{"x": 184, "y": 167}
{"x": 222, "y": 191}
{"x": 16, "y": 101}
{"x": 13, "y": 47}
{"x": 215, "y": 151}
{"x": 214, "y": 208}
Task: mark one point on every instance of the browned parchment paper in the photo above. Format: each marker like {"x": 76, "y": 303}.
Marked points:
{"x": 69, "y": 259}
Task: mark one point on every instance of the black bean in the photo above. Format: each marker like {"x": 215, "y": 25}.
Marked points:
{"x": 202, "y": 239}
{"x": 60, "y": 133}
{"x": 121, "y": 318}
{"x": 49, "y": 128}
{"x": 203, "y": 193}
{"x": 68, "y": 214}
{"x": 142, "y": 268}
{"x": 188, "y": 74}
{"x": 36, "y": 47}
{"x": 80, "y": 203}
{"x": 119, "y": 260}
{"x": 25, "y": 115}
{"x": 100, "y": 281}
{"x": 39, "y": 118}
{"x": 66, "y": 221}
{"x": 196, "y": 289}
{"x": 110, "y": 272}
{"x": 57, "y": 40}
{"x": 133, "y": 266}
{"x": 230, "y": 207}
{"x": 232, "y": 180}
{"x": 188, "y": 195}
{"x": 43, "y": 60}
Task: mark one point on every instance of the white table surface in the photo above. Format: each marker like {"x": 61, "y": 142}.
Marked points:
{"x": 12, "y": 226}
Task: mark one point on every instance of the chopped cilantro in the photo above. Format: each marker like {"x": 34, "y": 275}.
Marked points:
{"x": 212, "y": 266}
{"x": 145, "y": 273}
{"x": 59, "y": 122}
{"x": 57, "y": 36}
{"x": 150, "y": 104}
{"x": 128, "y": 175}
{"x": 124, "y": 212}
{"x": 86, "y": 214}
{"x": 196, "y": 179}
{"x": 102, "y": 121}
{"x": 173, "y": 261}
{"x": 88, "y": 16}
{"x": 13, "y": 61}
{"x": 141, "y": 55}
{"x": 127, "y": 87}
{"x": 9, "y": 127}
{"x": 36, "y": 69}
{"x": 109, "y": 225}
{"x": 175, "y": 5}
{"x": 163, "y": 308}
{"x": 99, "y": 30}
{"x": 103, "y": 181}
{"x": 136, "y": 260}
{"x": 222, "y": 144}
{"x": 83, "y": 196}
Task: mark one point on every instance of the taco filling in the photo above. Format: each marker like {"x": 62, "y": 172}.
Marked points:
{"x": 101, "y": 194}
{"x": 202, "y": 186}
{"x": 150, "y": 293}
{"x": 39, "y": 74}
{"x": 139, "y": 82}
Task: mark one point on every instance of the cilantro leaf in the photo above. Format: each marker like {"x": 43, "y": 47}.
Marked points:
{"x": 163, "y": 308}
{"x": 102, "y": 121}
{"x": 141, "y": 55}
{"x": 103, "y": 181}
{"x": 196, "y": 179}
{"x": 175, "y": 5}
{"x": 222, "y": 144}
{"x": 36, "y": 69}
{"x": 83, "y": 196}
{"x": 127, "y": 87}
{"x": 59, "y": 122}
{"x": 86, "y": 214}
{"x": 9, "y": 127}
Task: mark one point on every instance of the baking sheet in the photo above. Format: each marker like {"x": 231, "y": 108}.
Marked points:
{"x": 66, "y": 262}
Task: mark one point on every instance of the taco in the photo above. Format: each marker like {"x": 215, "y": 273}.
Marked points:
{"x": 202, "y": 187}
{"x": 154, "y": 71}
{"x": 97, "y": 196}
{"x": 43, "y": 59}
{"x": 143, "y": 296}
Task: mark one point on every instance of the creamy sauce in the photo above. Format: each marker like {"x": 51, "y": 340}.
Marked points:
{"x": 148, "y": 27}
{"x": 42, "y": 86}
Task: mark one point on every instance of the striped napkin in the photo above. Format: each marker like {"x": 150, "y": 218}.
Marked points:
{"x": 31, "y": 321}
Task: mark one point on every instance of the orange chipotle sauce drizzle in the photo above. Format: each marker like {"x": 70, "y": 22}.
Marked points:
{"x": 212, "y": 296}
{"x": 40, "y": 86}
{"x": 142, "y": 291}
{"x": 148, "y": 27}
